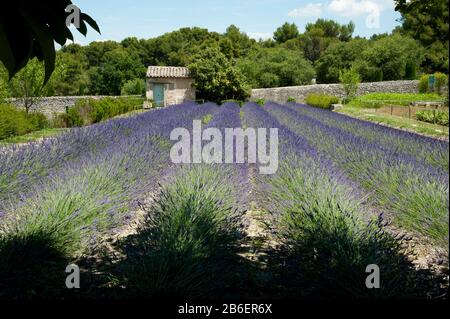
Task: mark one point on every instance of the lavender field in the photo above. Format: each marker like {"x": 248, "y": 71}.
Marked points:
{"x": 108, "y": 198}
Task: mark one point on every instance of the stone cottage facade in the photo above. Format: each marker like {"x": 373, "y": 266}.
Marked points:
{"x": 169, "y": 85}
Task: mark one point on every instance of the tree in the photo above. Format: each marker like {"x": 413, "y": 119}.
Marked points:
{"x": 134, "y": 87}
{"x": 392, "y": 55}
{"x": 28, "y": 84}
{"x": 314, "y": 43}
{"x": 321, "y": 34}
{"x": 28, "y": 29}
{"x": 332, "y": 29}
{"x": 275, "y": 67}
{"x": 116, "y": 67}
{"x": 240, "y": 42}
{"x": 286, "y": 32}
{"x": 216, "y": 78}
{"x": 4, "y": 87}
{"x": 427, "y": 21}
{"x": 73, "y": 77}
{"x": 339, "y": 56}
{"x": 350, "y": 81}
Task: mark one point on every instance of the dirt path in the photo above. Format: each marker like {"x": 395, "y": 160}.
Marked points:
{"x": 259, "y": 238}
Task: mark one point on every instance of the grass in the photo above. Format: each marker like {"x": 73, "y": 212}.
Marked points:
{"x": 379, "y": 99}
{"x": 396, "y": 121}
{"x": 34, "y": 136}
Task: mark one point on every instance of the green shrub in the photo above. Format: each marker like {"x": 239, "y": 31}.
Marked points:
{"x": 441, "y": 82}
{"x": 260, "y": 102}
{"x": 371, "y": 74}
{"x": 321, "y": 100}
{"x": 15, "y": 122}
{"x": 291, "y": 100}
{"x": 38, "y": 120}
{"x": 74, "y": 118}
{"x": 433, "y": 116}
{"x": 134, "y": 87}
{"x": 423, "y": 84}
{"x": 350, "y": 81}
{"x": 90, "y": 111}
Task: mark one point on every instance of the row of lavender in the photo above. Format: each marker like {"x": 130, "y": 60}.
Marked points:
{"x": 328, "y": 230}
{"x": 83, "y": 183}
{"x": 403, "y": 175}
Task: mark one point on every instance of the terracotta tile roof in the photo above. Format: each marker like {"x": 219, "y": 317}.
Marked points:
{"x": 167, "y": 72}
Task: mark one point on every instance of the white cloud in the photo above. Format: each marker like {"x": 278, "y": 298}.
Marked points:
{"x": 354, "y": 8}
{"x": 349, "y": 8}
{"x": 260, "y": 35}
{"x": 311, "y": 10}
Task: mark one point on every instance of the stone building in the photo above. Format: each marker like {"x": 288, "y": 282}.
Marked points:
{"x": 169, "y": 85}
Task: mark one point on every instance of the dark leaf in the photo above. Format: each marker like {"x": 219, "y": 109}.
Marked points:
{"x": 45, "y": 42}
{"x": 91, "y": 22}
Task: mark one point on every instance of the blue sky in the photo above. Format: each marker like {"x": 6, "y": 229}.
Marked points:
{"x": 119, "y": 19}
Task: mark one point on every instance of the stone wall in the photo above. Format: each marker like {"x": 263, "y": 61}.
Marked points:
{"x": 55, "y": 104}
{"x": 281, "y": 95}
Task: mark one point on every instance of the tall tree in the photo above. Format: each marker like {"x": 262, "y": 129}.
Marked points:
{"x": 275, "y": 67}
{"x": 286, "y": 32}
{"x": 28, "y": 84}
{"x": 428, "y": 22}
{"x": 216, "y": 78}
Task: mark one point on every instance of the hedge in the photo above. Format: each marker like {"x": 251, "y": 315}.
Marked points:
{"x": 321, "y": 100}
{"x": 15, "y": 122}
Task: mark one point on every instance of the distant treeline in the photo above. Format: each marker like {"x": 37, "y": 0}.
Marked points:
{"x": 291, "y": 57}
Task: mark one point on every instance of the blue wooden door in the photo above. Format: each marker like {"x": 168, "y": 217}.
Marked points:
{"x": 158, "y": 94}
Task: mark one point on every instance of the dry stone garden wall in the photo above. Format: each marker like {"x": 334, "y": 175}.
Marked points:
{"x": 281, "y": 95}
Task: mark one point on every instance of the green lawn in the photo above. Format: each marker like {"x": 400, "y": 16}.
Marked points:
{"x": 381, "y": 99}
{"x": 34, "y": 136}
{"x": 396, "y": 121}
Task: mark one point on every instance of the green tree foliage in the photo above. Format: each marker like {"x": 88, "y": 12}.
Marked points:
{"x": 392, "y": 54}
{"x": 4, "y": 88}
{"x": 286, "y": 32}
{"x": 29, "y": 83}
{"x": 339, "y": 56}
{"x": 28, "y": 29}
{"x": 350, "y": 82}
{"x": 275, "y": 67}
{"x": 240, "y": 42}
{"x": 73, "y": 77}
{"x": 291, "y": 58}
{"x": 428, "y": 22}
{"x": 332, "y": 29}
{"x": 116, "y": 67}
{"x": 96, "y": 50}
{"x": 134, "y": 87}
{"x": 319, "y": 36}
{"x": 216, "y": 78}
